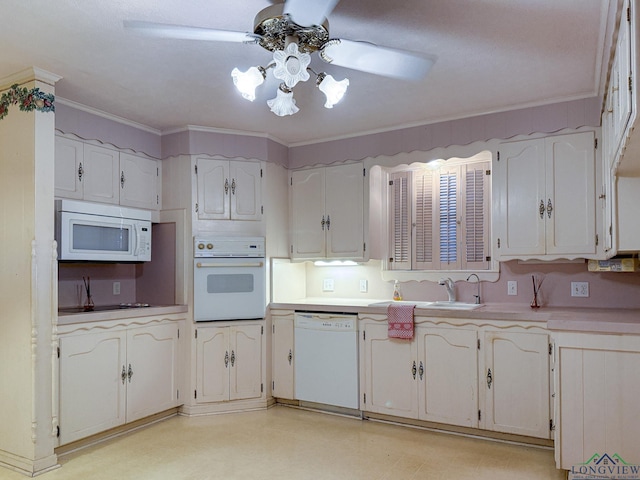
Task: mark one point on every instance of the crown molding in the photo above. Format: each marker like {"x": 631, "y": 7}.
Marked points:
{"x": 108, "y": 116}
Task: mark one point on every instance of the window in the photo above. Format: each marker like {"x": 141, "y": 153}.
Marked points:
{"x": 439, "y": 216}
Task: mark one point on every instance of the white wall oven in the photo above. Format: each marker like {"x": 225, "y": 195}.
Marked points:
{"x": 103, "y": 233}
{"x": 229, "y": 277}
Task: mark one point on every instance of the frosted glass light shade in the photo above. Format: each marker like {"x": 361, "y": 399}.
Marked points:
{"x": 291, "y": 65}
{"x": 247, "y": 82}
{"x": 284, "y": 104}
{"x": 333, "y": 89}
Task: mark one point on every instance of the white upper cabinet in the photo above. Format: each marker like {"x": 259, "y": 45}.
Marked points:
{"x": 139, "y": 180}
{"x": 69, "y": 164}
{"x": 619, "y": 117}
{"x": 228, "y": 189}
{"x": 99, "y": 174}
{"x": 545, "y": 192}
{"x": 328, "y": 213}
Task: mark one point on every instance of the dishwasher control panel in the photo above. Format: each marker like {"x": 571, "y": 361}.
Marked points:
{"x": 325, "y": 321}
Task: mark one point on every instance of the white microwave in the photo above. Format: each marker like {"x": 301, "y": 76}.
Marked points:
{"x": 103, "y": 233}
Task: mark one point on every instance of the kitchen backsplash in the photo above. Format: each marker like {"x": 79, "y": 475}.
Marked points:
{"x": 606, "y": 290}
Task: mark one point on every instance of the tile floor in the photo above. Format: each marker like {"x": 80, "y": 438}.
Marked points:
{"x": 287, "y": 443}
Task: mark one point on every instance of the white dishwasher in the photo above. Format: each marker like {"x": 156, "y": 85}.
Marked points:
{"x": 326, "y": 362}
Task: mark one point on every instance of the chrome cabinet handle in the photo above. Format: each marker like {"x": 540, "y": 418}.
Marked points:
{"x": 290, "y": 356}
{"x": 226, "y": 186}
{"x": 123, "y": 375}
{"x": 549, "y": 208}
{"x": 322, "y": 223}
{"x": 226, "y": 359}
{"x": 130, "y": 373}
{"x": 122, "y": 179}
{"x": 414, "y": 370}
{"x": 328, "y": 222}
{"x": 421, "y": 370}
{"x": 489, "y": 378}
{"x": 233, "y": 186}
{"x": 233, "y": 358}
{"x": 541, "y": 208}
{"x": 80, "y": 172}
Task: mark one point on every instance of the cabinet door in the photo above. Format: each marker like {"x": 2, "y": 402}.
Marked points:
{"x": 139, "y": 181}
{"x": 282, "y": 357}
{"x": 68, "y": 168}
{"x": 214, "y": 189}
{"x": 448, "y": 374}
{"x": 152, "y": 360}
{"x": 570, "y": 194}
{"x": 520, "y": 186}
{"x": 246, "y": 190}
{"x": 344, "y": 208}
{"x": 620, "y": 83}
{"x": 245, "y": 373}
{"x": 516, "y": 383}
{"x": 101, "y": 174}
{"x": 213, "y": 363}
{"x": 390, "y": 370}
{"x": 92, "y": 384}
{"x": 599, "y": 407}
{"x": 308, "y": 220}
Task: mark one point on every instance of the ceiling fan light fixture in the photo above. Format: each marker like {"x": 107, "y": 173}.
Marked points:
{"x": 291, "y": 65}
{"x": 284, "y": 104}
{"x": 247, "y": 82}
{"x": 334, "y": 90}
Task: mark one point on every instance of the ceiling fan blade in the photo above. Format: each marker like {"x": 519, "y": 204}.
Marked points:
{"x": 309, "y": 12}
{"x": 188, "y": 33}
{"x": 371, "y": 58}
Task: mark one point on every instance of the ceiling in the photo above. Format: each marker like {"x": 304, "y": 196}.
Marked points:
{"x": 492, "y": 55}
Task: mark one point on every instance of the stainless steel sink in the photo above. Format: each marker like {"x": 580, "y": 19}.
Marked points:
{"x": 440, "y": 305}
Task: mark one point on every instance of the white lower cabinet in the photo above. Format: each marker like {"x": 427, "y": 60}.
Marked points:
{"x": 448, "y": 375}
{"x": 109, "y": 378}
{"x": 282, "y": 355}
{"x": 390, "y": 372}
{"x": 517, "y": 383}
{"x": 229, "y": 362}
{"x": 465, "y": 375}
{"x": 598, "y": 392}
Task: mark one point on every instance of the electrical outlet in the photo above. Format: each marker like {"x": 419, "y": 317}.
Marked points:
{"x": 364, "y": 286}
{"x": 512, "y": 287}
{"x": 327, "y": 285}
{"x": 116, "y": 288}
{"x": 579, "y": 289}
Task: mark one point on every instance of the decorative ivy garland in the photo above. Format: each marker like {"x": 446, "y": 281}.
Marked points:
{"x": 27, "y": 100}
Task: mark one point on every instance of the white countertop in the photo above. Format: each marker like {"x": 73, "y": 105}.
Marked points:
{"x": 101, "y": 316}
{"x": 592, "y": 320}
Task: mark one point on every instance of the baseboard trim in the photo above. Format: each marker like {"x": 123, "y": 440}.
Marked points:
{"x": 115, "y": 432}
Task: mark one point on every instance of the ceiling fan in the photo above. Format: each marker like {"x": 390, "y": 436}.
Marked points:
{"x": 293, "y": 31}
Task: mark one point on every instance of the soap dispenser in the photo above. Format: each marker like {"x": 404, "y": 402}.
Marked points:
{"x": 397, "y": 294}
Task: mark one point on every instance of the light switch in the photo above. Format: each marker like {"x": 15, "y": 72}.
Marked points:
{"x": 327, "y": 285}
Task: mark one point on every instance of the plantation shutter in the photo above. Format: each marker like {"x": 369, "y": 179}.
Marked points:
{"x": 400, "y": 221}
{"x": 476, "y": 218}
{"x": 448, "y": 214}
{"x": 423, "y": 241}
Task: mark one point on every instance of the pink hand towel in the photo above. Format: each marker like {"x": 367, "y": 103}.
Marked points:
{"x": 400, "y": 318}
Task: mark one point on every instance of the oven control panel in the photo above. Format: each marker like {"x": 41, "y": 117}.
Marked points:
{"x": 228, "y": 247}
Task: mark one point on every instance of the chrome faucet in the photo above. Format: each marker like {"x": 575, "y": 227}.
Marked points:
{"x": 477, "y": 295}
{"x": 448, "y": 284}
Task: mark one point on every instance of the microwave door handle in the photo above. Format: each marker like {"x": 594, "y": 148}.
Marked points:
{"x": 135, "y": 239}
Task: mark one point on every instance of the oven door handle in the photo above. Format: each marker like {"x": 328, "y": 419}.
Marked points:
{"x": 229, "y": 265}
